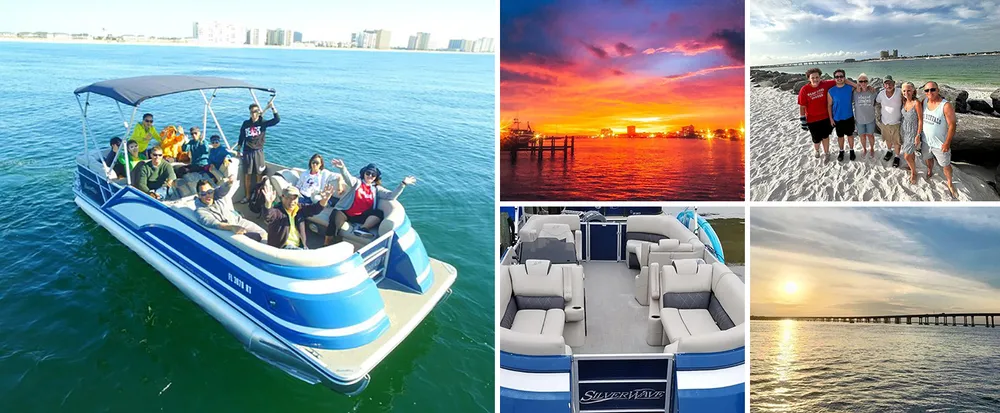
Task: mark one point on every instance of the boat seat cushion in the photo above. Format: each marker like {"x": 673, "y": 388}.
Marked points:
{"x": 698, "y": 322}
{"x": 557, "y": 231}
{"x": 545, "y": 322}
{"x": 728, "y": 294}
{"x": 668, "y": 245}
{"x": 673, "y": 325}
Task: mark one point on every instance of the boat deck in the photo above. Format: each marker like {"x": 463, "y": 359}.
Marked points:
{"x": 616, "y": 323}
{"x": 405, "y": 310}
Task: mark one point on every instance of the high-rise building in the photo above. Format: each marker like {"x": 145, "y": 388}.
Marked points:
{"x": 412, "y": 44}
{"x": 884, "y": 54}
{"x": 456, "y": 45}
{"x": 367, "y": 39}
{"x": 895, "y": 53}
{"x": 286, "y": 37}
{"x": 195, "y": 30}
{"x": 423, "y": 41}
{"x": 272, "y": 38}
{"x": 382, "y": 39}
{"x": 215, "y": 32}
{"x": 482, "y": 45}
{"x": 297, "y": 37}
{"x": 469, "y": 46}
{"x": 257, "y": 37}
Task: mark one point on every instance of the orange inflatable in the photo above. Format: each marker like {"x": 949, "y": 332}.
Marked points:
{"x": 171, "y": 141}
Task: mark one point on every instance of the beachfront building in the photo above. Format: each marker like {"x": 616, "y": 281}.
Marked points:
{"x": 365, "y": 39}
{"x": 382, "y": 39}
{"x": 216, "y": 32}
{"x": 412, "y": 43}
{"x": 884, "y": 54}
{"x": 482, "y": 45}
{"x": 895, "y": 53}
{"x": 297, "y": 37}
{"x": 456, "y": 45}
{"x": 423, "y": 41}
{"x": 257, "y": 37}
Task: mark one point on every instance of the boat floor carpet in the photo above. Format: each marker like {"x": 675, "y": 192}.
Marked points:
{"x": 616, "y": 323}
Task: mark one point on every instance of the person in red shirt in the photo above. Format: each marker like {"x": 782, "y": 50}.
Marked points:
{"x": 359, "y": 205}
{"x": 812, "y": 110}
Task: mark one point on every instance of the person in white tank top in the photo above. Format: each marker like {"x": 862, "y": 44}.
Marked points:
{"x": 939, "y": 129}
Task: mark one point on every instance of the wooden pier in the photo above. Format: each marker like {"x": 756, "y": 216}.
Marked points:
{"x": 968, "y": 319}
{"x": 565, "y": 144}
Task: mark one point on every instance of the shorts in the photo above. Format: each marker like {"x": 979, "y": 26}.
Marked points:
{"x": 866, "y": 128}
{"x": 890, "y": 134}
{"x": 253, "y": 161}
{"x": 331, "y": 228}
{"x": 845, "y": 127}
{"x": 943, "y": 158}
{"x": 820, "y": 130}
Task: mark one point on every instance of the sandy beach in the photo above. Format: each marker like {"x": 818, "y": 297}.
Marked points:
{"x": 783, "y": 168}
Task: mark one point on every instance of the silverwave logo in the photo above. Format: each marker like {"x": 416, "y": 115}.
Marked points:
{"x": 594, "y": 396}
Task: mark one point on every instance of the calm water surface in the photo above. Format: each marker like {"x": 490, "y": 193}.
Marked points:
{"x": 831, "y": 367}
{"x": 628, "y": 170}
{"x": 88, "y": 326}
{"x": 975, "y": 73}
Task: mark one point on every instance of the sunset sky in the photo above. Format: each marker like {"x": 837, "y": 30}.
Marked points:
{"x": 575, "y": 67}
{"x": 873, "y": 261}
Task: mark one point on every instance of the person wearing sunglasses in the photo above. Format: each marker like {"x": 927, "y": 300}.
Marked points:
{"x": 145, "y": 133}
{"x": 911, "y": 127}
{"x": 359, "y": 204}
{"x": 215, "y": 210}
{"x": 129, "y": 159}
{"x": 840, "y": 109}
{"x": 939, "y": 129}
{"x": 890, "y": 104}
{"x": 218, "y": 158}
{"x": 864, "y": 114}
{"x": 196, "y": 149}
{"x": 286, "y": 222}
{"x": 312, "y": 183}
{"x": 813, "y": 109}
{"x": 251, "y": 144}
{"x": 154, "y": 176}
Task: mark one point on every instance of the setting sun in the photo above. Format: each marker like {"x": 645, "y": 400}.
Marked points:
{"x": 791, "y": 288}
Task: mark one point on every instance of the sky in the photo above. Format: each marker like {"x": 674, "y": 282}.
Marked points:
{"x": 874, "y": 261}
{"x": 783, "y": 31}
{"x": 316, "y": 19}
{"x": 577, "y": 66}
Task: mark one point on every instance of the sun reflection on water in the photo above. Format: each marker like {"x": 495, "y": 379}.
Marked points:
{"x": 786, "y": 354}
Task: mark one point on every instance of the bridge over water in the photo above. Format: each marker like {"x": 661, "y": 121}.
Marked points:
{"x": 968, "y": 319}
{"x": 812, "y": 63}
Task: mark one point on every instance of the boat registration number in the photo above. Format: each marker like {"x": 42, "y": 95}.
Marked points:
{"x": 240, "y": 284}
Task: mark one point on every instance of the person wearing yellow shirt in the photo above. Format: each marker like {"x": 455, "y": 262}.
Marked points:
{"x": 171, "y": 142}
{"x": 145, "y": 134}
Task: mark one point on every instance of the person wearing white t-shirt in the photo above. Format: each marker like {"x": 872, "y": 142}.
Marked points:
{"x": 891, "y": 104}
{"x": 311, "y": 183}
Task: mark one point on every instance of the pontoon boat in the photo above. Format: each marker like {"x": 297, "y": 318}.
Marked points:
{"x": 324, "y": 315}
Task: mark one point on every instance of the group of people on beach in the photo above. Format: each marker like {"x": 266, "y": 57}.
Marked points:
{"x": 908, "y": 126}
{"x": 154, "y": 160}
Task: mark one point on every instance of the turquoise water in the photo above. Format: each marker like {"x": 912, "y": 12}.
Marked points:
{"x": 836, "y": 367}
{"x": 88, "y": 326}
{"x": 975, "y": 73}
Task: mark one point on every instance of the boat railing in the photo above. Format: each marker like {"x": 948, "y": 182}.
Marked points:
{"x": 375, "y": 256}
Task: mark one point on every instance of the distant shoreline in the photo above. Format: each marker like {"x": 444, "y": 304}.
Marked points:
{"x": 227, "y": 46}
{"x": 938, "y": 57}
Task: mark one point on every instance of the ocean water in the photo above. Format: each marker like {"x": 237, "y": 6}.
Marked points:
{"x": 835, "y": 367}
{"x": 88, "y": 326}
{"x": 976, "y": 74}
{"x": 627, "y": 170}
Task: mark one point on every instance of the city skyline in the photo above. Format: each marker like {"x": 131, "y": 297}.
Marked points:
{"x": 317, "y": 20}
{"x": 653, "y": 65}
{"x": 873, "y": 261}
{"x": 820, "y": 30}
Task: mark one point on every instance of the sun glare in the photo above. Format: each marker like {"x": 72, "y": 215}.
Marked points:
{"x": 791, "y": 288}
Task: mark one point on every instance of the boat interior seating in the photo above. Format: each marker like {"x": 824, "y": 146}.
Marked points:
{"x": 306, "y": 258}
{"x": 661, "y": 233}
{"x": 695, "y": 307}
{"x": 392, "y": 210}
{"x": 540, "y": 308}
{"x": 564, "y": 227}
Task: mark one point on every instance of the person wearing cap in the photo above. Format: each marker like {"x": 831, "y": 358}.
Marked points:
{"x": 197, "y": 151}
{"x": 891, "y": 104}
{"x": 939, "y": 124}
{"x": 215, "y": 210}
{"x": 218, "y": 157}
{"x": 286, "y": 222}
{"x": 359, "y": 204}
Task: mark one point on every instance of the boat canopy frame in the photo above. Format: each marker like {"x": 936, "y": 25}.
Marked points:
{"x": 133, "y": 91}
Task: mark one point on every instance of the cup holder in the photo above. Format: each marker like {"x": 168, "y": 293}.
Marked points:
{"x": 655, "y": 316}
{"x": 576, "y": 307}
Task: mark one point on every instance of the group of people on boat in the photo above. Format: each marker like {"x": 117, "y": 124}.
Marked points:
{"x": 908, "y": 125}
{"x": 149, "y": 156}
